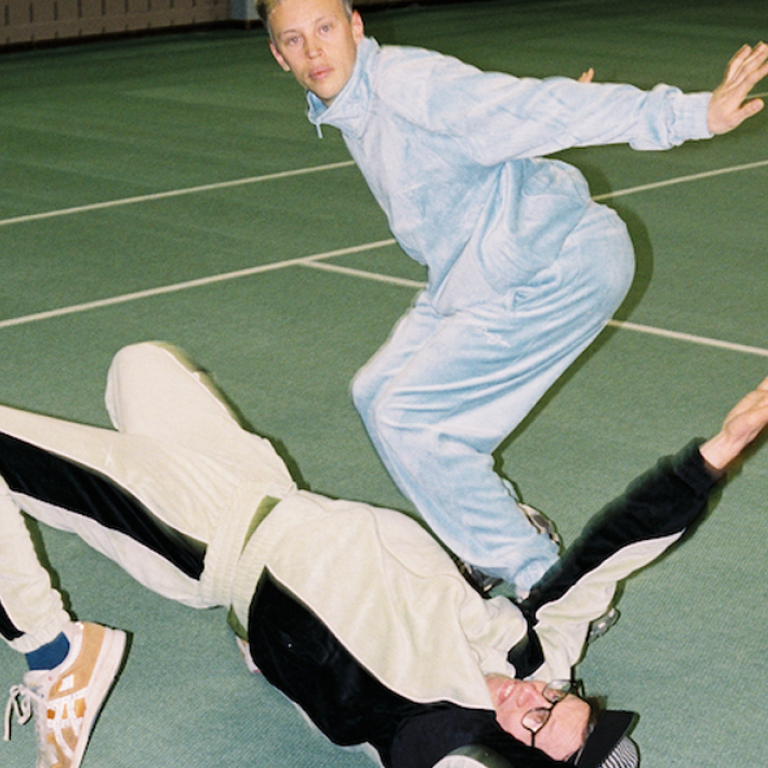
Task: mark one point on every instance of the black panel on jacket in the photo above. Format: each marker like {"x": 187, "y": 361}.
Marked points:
{"x": 298, "y": 654}
{"x": 429, "y": 736}
{"x": 527, "y": 655}
{"x": 661, "y": 502}
{"x": 53, "y": 479}
{"x": 7, "y": 628}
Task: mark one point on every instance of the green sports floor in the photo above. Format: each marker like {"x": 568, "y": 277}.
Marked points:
{"x": 169, "y": 187}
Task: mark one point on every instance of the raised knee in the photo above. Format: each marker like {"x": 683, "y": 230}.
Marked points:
{"x": 138, "y": 365}
{"x": 142, "y": 350}
{"x": 609, "y": 282}
{"x": 400, "y": 425}
{"x": 364, "y": 389}
{"x": 622, "y": 274}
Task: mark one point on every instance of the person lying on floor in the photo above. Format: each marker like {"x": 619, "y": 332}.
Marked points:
{"x": 355, "y": 612}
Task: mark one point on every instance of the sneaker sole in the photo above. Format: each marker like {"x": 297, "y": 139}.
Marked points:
{"x": 104, "y": 676}
{"x": 600, "y": 626}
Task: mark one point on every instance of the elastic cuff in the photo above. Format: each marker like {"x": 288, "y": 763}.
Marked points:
{"x": 693, "y": 470}
{"x": 31, "y": 641}
{"x": 692, "y": 116}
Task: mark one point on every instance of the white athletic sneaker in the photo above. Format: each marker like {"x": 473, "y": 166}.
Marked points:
{"x": 600, "y": 626}
{"x": 541, "y": 522}
{"x": 66, "y": 700}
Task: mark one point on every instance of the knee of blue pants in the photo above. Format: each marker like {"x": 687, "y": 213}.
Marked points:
{"x": 414, "y": 450}
{"x": 364, "y": 388}
{"x": 390, "y": 411}
{"x": 615, "y": 279}
{"x": 609, "y": 268}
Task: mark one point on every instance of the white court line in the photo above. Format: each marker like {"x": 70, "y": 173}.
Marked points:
{"x": 364, "y": 274}
{"x": 173, "y": 193}
{"x": 183, "y": 286}
{"x": 316, "y": 169}
{"x": 681, "y": 180}
{"x": 690, "y": 338}
{"x": 647, "y": 329}
{"x": 315, "y": 260}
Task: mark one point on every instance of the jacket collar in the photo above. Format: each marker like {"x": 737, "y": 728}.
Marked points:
{"x": 349, "y": 109}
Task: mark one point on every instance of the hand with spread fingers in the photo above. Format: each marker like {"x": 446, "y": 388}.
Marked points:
{"x": 727, "y": 107}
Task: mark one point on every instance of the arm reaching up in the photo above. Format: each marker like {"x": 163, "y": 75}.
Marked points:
{"x": 629, "y": 533}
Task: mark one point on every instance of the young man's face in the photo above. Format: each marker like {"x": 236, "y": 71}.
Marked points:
{"x": 317, "y": 43}
{"x": 560, "y": 737}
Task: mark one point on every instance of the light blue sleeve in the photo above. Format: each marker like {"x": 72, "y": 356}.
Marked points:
{"x": 503, "y": 117}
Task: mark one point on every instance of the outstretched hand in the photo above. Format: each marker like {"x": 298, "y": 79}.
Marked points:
{"x": 727, "y": 108}
{"x": 741, "y": 426}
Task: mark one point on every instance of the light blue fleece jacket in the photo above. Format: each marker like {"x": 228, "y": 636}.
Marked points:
{"x": 454, "y": 155}
{"x": 523, "y": 269}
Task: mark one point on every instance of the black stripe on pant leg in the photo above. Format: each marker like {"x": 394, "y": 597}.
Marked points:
{"x": 7, "y": 628}
{"x": 64, "y": 483}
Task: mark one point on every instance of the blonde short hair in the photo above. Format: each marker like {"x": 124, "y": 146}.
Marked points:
{"x": 264, "y": 9}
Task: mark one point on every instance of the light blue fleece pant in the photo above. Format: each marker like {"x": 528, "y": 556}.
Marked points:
{"x": 446, "y": 389}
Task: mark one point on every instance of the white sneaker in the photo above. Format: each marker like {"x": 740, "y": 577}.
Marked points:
{"x": 600, "y": 626}
{"x": 66, "y": 700}
{"x": 481, "y": 582}
{"x": 541, "y": 522}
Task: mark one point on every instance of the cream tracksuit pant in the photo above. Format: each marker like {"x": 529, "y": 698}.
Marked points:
{"x": 178, "y": 481}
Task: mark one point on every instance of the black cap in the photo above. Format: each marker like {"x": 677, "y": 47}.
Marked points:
{"x": 608, "y": 740}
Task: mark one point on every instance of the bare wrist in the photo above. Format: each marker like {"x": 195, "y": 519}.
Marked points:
{"x": 719, "y": 451}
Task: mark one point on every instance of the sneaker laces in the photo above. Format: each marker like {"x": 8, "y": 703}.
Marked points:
{"x": 20, "y": 705}
{"x": 24, "y": 702}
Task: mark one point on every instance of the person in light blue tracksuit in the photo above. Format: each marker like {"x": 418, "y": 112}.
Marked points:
{"x": 524, "y": 269}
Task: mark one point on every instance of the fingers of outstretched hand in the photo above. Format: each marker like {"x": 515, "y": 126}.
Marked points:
{"x": 746, "y": 420}
{"x": 750, "y": 415}
{"x": 748, "y": 63}
{"x": 727, "y": 108}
